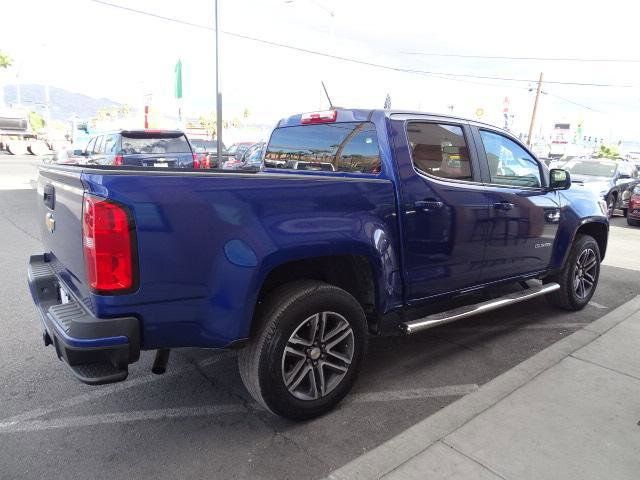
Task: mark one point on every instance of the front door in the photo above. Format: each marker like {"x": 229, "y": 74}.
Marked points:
{"x": 443, "y": 207}
{"x": 524, "y": 216}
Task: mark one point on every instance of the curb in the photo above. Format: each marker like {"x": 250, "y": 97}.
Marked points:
{"x": 383, "y": 459}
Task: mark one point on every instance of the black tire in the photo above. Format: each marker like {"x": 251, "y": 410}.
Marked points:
{"x": 569, "y": 297}
{"x": 633, "y": 222}
{"x": 611, "y": 204}
{"x": 624, "y": 212}
{"x": 262, "y": 362}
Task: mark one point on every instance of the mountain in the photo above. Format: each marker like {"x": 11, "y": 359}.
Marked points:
{"x": 64, "y": 104}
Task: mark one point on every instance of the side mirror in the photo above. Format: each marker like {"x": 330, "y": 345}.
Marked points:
{"x": 559, "y": 179}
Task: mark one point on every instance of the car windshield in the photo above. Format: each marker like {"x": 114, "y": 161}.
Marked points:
{"x": 200, "y": 146}
{"x": 155, "y": 144}
{"x": 591, "y": 168}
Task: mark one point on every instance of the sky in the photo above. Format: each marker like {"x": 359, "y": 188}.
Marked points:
{"x": 102, "y": 51}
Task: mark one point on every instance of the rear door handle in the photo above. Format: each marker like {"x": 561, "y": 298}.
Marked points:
{"x": 428, "y": 205}
{"x": 503, "y": 206}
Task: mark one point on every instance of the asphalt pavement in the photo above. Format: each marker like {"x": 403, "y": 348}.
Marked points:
{"x": 197, "y": 420}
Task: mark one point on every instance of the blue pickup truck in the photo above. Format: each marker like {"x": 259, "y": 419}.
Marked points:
{"x": 295, "y": 268}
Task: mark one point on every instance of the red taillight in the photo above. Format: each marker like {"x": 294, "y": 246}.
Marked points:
{"x": 319, "y": 117}
{"x": 107, "y": 240}
{"x": 118, "y": 161}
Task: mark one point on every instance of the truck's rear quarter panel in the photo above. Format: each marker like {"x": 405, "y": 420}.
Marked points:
{"x": 207, "y": 241}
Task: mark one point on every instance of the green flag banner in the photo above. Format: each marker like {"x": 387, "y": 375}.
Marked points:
{"x": 178, "y": 74}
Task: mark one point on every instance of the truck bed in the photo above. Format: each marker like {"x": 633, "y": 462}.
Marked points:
{"x": 206, "y": 240}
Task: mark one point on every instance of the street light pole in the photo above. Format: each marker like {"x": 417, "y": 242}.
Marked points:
{"x": 218, "y": 96}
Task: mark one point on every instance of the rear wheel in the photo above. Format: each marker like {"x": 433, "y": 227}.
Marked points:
{"x": 307, "y": 353}
{"x": 624, "y": 212}
{"x": 579, "y": 276}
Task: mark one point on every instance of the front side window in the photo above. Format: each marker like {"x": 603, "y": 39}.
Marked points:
{"x": 439, "y": 150}
{"x": 330, "y": 147}
{"x": 98, "y": 146}
{"x": 509, "y": 163}
{"x": 90, "y": 145}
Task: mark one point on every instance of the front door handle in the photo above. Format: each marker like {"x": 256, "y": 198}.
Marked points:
{"x": 428, "y": 205}
{"x": 503, "y": 206}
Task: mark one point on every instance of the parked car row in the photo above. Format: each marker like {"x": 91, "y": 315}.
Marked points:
{"x": 160, "y": 149}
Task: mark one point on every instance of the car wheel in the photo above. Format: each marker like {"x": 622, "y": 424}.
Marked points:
{"x": 633, "y": 222}
{"x": 307, "y": 352}
{"x": 579, "y": 276}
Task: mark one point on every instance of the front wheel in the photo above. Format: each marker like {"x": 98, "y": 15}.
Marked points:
{"x": 307, "y": 352}
{"x": 579, "y": 276}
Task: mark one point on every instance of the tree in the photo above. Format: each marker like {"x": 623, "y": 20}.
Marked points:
{"x": 608, "y": 152}
{"x": 5, "y": 60}
{"x": 36, "y": 121}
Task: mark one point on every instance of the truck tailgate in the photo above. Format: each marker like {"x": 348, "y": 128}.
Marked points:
{"x": 60, "y": 195}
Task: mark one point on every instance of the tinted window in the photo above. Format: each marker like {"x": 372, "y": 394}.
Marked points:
{"x": 111, "y": 144}
{"x": 342, "y": 147}
{"x": 439, "y": 150}
{"x": 149, "y": 144}
{"x": 509, "y": 163}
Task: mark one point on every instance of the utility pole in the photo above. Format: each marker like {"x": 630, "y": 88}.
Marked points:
{"x": 535, "y": 108}
{"x": 218, "y": 96}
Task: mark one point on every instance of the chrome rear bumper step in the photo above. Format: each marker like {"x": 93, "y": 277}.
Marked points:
{"x": 459, "y": 313}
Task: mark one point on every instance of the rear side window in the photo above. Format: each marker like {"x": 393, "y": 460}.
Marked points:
{"x": 439, "y": 150}
{"x": 111, "y": 144}
{"x": 155, "y": 144}
{"x": 331, "y": 147}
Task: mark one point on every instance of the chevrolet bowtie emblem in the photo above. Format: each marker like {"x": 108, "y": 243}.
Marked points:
{"x": 50, "y": 222}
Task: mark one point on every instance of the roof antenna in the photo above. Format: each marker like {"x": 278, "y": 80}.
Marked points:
{"x": 327, "y": 94}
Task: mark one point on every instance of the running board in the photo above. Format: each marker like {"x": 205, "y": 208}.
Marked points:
{"x": 459, "y": 313}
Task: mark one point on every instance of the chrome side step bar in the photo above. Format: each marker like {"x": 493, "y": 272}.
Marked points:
{"x": 459, "y": 313}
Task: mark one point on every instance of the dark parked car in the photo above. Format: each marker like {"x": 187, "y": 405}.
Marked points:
{"x": 207, "y": 152}
{"x": 608, "y": 179}
{"x": 251, "y": 159}
{"x": 237, "y": 149}
{"x": 633, "y": 214}
{"x": 139, "y": 148}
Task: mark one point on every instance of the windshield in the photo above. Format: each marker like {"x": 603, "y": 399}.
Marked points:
{"x": 151, "y": 144}
{"x": 591, "y": 169}
{"x": 200, "y": 146}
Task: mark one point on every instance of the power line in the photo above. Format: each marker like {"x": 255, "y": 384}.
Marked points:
{"x": 354, "y": 60}
{"x": 544, "y": 59}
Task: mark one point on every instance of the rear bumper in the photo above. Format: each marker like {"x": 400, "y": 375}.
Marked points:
{"x": 97, "y": 350}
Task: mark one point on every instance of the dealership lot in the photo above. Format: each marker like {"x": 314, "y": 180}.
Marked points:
{"x": 198, "y": 421}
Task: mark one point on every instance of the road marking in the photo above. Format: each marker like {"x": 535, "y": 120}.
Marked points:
{"x": 211, "y": 410}
{"x": 120, "y": 417}
{"x": 413, "y": 394}
{"x": 500, "y": 328}
{"x": 597, "y": 305}
{"x": 108, "y": 390}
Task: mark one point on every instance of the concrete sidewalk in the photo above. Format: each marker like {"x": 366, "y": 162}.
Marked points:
{"x": 570, "y": 412}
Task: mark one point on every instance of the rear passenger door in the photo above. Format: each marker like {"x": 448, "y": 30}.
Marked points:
{"x": 524, "y": 216}
{"x": 443, "y": 209}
